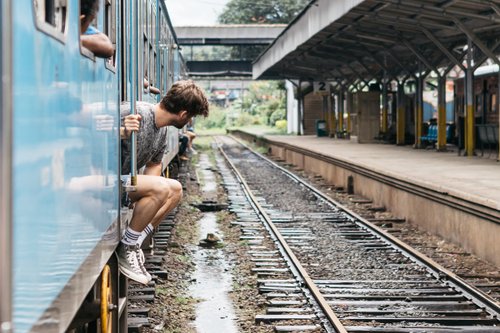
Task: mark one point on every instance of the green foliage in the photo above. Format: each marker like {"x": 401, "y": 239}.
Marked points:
{"x": 261, "y": 11}
{"x": 262, "y": 104}
{"x": 215, "y": 119}
{"x": 278, "y": 115}
{"x": 281, "y": 125}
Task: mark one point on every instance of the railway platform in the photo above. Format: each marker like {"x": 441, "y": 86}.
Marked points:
{"x": 455, "y": 197}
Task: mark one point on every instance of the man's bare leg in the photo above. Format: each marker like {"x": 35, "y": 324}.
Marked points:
{"x": 151, "y": 195}
{"x": 174, "y": 197}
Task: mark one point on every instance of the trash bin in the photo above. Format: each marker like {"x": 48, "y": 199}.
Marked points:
{"x": 321, "y": 128}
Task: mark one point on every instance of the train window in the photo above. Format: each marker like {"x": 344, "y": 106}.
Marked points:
{"x": 110, "y": 29}
{"x": 51, "y": 17}
{"x": 493, "y": 103}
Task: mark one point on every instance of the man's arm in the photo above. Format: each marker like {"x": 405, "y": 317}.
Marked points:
{"x": 99, "y": 44}
{"x": 152, "y": 169}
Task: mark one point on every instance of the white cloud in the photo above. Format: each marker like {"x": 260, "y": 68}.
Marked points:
{"x": 194, "y": 12}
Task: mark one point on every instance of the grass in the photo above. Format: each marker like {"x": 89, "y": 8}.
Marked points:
{"x": 203, "y": 142}
{"x": 161, "y": 290}
{"x": 211, "y": 131}
{"x": 182, "y": 300}
{"x": 183, "y": 258}
{"x": 222, "y": 215}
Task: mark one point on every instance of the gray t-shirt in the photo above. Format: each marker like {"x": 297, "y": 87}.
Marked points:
{"x": 151, "y": 141}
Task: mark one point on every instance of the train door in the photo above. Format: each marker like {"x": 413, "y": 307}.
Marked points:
{"x": 5, "y": 168}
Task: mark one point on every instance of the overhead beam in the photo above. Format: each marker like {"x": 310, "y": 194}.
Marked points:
{"x": 476, "y": 41}
{"x": 441, "y": 47}
{"x": 418, "y": 55}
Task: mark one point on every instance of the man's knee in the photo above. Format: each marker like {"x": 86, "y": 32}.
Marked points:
{"x": 176, "y": 189}
{"x": 171, "y": 189}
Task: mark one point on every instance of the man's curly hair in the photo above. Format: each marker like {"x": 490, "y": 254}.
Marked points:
{"x": 185, "y": 95}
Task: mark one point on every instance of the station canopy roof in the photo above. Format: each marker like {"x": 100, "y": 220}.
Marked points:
{"x": 359, "y": 40}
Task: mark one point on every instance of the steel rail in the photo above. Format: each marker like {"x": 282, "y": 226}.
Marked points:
{"x": 478, "y": 297}
{"x": 438, "y": 196}
{"x": 322, "y": 303}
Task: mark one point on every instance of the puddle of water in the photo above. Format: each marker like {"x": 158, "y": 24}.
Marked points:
{"x": 209, "y": 181}
{"x": 209, "y": 184}
{"x": 214, "y": 312}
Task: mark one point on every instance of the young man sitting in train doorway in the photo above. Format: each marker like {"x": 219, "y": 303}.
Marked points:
{"x": 155, "y": 196}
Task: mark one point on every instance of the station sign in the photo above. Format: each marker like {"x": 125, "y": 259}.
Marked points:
{"x": 321, "y": 87}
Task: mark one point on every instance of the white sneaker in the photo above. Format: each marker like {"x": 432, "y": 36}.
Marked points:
{"x": 128, "y": 263}
{"x": 142, "y": 260}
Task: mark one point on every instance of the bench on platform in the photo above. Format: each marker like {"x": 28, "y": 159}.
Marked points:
{"x": 432, "y": 134}
{"x": 487, "y": 135}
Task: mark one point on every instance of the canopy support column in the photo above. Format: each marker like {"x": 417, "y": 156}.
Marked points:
{"x": 400, "y": 118}
{"x": 441, "y": 139}
{"x": 469, "y": 98}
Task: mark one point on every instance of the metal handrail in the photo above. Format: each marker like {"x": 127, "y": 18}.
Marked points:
{"x": 133, "y": 70}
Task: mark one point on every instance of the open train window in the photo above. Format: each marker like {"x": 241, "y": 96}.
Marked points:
{"x": 51, "y": 17}
{"x": 110, "y": 30}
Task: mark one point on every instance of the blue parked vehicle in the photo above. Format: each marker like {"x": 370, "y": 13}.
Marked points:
{"x": 60, "y": 209}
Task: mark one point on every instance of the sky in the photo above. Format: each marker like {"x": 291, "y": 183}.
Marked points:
{"x": 194, "y": 12}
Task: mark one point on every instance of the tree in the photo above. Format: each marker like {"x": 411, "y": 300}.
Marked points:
{"x": 261, "y": 11}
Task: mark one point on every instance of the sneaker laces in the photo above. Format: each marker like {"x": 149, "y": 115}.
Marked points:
{"x": 132, "y": 259}
{"x": 140, "y": 259}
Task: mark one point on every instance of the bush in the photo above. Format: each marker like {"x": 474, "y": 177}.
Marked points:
{"x": 278, "y": 114}
{"x": 281, "y": 125}
{"x": 215, "y": 119}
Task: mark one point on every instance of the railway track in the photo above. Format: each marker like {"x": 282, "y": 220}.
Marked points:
{"x": 321, "y": 265}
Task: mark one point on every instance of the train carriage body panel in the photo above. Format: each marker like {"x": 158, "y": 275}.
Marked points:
{"x": 63, "y": 207}
{"x": 65, "y": 167}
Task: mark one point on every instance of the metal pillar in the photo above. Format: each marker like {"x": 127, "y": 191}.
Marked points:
{"x": 299, "y": 108}
{"x": 384, "y": 106}
{"x": 400, "y": 118}
{"x": 134, "y": 79}
{"x": 441, "y": 139}
{"x": 419, "y": 109}
{"x": 333, "y": 120}
{"x": 340, "y": 109}
{"x": 498, "y": 110}
{"x": 349, "y": 102}
{"x": 469, "y": 98}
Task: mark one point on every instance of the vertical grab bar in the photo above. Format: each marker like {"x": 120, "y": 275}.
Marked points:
{"x": 147, "y": 51}
{"x": 133, "y": 86}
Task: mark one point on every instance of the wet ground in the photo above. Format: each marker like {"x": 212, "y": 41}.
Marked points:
{"x": 212, "y": 279}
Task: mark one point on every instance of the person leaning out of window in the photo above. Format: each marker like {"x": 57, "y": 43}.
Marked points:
{"x": 91, "y": 38}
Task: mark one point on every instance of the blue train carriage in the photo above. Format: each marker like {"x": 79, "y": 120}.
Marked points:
{"x": 159, "y": 67}
{"x": 60, "y": 198}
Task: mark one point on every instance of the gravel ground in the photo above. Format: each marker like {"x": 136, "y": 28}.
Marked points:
{"x": 174, "y": 310}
